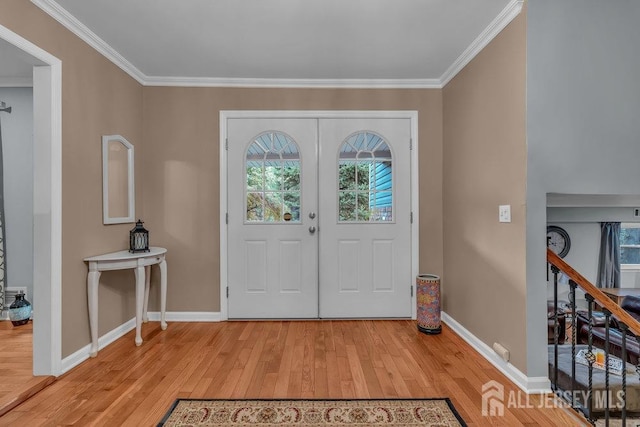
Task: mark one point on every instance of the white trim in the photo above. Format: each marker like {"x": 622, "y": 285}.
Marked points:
{"x": 110, "y": 337}
{"x": 322, "y": 114}
{"x": 16, "y": 82}
{"x": 47, "y": 236}
{"x": 70, "y": 22}
{"x": 530, "y": 385}
{"x": 507, "y": 15}
{"x": 131, "y": 186}
{"x": 58, "y": 13}
{"x": 224, "y": 275}
{"x": 415, "y": 211}
{"x": 294, "y": 83}
{"x": 187, "y": 316}
{"x": 318, "y": 114}
{"x": 84, "y": 353}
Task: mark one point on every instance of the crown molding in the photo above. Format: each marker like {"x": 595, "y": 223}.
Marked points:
{"x": 58, "y": 13}
{"x": 295, "y": 83}
{"x": 505, "y": 17}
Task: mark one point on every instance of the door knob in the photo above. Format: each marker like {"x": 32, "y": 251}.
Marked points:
{"x": 312, "y": 215}
{"x": 312, "y": 229}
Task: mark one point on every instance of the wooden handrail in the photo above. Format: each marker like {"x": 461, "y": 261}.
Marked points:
{"x": 602, "y": 299}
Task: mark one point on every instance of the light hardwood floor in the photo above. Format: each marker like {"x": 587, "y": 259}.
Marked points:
{"x": 134, "y": 386}
{"x": 17, "y": 382}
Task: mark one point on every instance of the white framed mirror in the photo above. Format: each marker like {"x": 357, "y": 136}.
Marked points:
{"x": 118, "y": 191}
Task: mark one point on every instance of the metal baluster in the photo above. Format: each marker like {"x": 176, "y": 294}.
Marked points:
{"x": 623, "y": 329}
{"x": 590, "y": 357}
{"x": 572, "y": 293}
{"x": 556, "y": 333}
{"x": 607, "y": 316}
{"x": 638, "y": 360}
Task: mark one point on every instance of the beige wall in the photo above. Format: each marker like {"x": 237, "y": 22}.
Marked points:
{"x": 97, "y": 98}
{"x": 176, "y": 134}
{"x": 177, "y": 173}
{"x": 181, "y": 172}
{"x": 484, "y": 285}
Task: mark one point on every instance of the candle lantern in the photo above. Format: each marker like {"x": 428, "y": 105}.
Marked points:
{"x": 139, "y": 238}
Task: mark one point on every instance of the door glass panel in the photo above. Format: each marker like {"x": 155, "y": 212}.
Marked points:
{"x": 254, "y": 178}
{"x": 291, "y": 175}
{"x": 347, "y": 206}
{"x": 254, "y": 207}
{"x": 346, "y": 175}
{"x": 272, "y": 184}
{"x": 273, "y": 207}
{"x": 292, "y": 205}
{"x": 365, "y": 186}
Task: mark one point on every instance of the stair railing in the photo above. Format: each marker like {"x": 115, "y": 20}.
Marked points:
{"x": 627, "y": 325}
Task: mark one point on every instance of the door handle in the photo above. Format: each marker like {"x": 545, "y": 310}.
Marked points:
{"x": 312, "y": 215}
{"x": 312, "y": 229}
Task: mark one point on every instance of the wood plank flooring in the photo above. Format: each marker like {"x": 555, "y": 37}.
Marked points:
{"x": 134, "y": 386}
{"x": 17, "y": 382}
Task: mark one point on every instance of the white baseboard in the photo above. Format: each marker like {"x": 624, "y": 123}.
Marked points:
{"x": 529, "y": 385}
{"x": 187, "y": 316}
{"x": 83, "y": 354}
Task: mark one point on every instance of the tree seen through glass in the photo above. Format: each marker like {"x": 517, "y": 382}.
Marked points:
{"x": 629, "y": 244}
{"x": 365, "y": 179}
{"x": 273, "y": 179}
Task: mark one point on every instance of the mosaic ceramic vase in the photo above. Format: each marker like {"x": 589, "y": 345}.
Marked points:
{"x": 20, "y": 310}
{"x": 428, "y": 300}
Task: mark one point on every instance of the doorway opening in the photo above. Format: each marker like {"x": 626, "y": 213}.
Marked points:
{"x": 47, "y": 221}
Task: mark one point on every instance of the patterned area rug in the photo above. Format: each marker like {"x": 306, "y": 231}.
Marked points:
{"x": 630, "y": 422}
{"x": 354, "y": 413}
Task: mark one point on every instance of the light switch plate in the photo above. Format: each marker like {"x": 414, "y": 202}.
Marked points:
{"x": 504, "y": 213}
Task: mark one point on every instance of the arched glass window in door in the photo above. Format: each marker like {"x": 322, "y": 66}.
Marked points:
{"x": 365, "y": 186}
{"x": 272, "y": 185}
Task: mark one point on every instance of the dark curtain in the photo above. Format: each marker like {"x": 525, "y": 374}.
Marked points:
{"x": 609, "y": 260}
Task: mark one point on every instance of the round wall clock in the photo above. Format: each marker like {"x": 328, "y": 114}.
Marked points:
{"x": 558, "y": 240}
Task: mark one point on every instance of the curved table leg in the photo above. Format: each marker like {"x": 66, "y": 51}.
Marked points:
{"x": 140, "y": 280}
{"x": 163, "y": 294}
{"x": 147, "y": 285}
{"x": 92, "y": 291}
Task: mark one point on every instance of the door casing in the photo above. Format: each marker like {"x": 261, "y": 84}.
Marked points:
{"x": 224, "y": 115}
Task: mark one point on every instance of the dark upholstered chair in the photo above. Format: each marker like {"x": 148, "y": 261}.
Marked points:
{"x": 631, "y": 304}
{"x": 550, "y": 324}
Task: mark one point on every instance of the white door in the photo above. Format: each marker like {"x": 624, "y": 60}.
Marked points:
{"x": 272, "y": 197}
{"x": 365, "y": 220}
{"x": 308, "y": 192}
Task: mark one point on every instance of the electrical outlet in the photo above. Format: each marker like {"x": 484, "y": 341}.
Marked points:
{"x": 504, "y": 213}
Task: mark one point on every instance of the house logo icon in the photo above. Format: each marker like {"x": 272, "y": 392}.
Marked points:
{"x": 492, "y": 399}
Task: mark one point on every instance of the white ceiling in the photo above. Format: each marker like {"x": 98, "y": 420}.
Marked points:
{"x": 260, "y": 42}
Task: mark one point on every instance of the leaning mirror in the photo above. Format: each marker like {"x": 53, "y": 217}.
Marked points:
{"x": 118, "y": 195}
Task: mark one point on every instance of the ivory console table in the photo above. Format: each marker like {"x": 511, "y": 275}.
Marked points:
{"x": 141, "y": 262}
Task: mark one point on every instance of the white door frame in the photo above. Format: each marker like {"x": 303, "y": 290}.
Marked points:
{"x": 47, "y": 206}
{"x": 323, "y": 114}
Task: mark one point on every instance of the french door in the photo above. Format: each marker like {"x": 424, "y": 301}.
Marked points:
{"x": 319, "y": 221}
